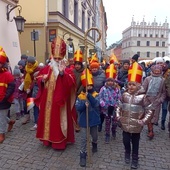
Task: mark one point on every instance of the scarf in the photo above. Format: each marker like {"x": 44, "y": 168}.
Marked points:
{"x": 154, "y": 85}
{"x": 29, "y": 70}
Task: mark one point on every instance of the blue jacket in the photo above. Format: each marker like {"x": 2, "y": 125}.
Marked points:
{"x": 93, "y": 109}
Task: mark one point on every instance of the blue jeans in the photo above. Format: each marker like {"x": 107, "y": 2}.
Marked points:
{"x": 36, "y": 113}
{"x": 164, "y": 109}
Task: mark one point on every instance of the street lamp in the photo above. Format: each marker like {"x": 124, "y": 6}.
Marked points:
{"x": 19, "y": 20}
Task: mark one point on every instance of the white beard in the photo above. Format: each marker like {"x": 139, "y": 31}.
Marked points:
{"x": 54, "y": 66}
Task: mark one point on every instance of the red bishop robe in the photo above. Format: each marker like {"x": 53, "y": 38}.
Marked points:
{"x": 56, "y": 99}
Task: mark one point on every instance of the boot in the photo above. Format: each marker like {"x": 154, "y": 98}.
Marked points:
{"x": 10, "y": 125}
{"x": 83, "y": 159}
{"x": 18, "y": 116}
{"x": 150, "y": 130}
{"x": 26, "y": 119}
{"x": 134, "y": 164}
{"x": 107, "y": 138}
{"x": 163, "y": 124}
{"x": 2, "y": 137}
{"x": 100, "y": 128}
{"x": 127, "y": 158}
{"x": 94, "y": 147}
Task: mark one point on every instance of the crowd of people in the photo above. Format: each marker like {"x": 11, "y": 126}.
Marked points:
{"x": 70, "y": 97}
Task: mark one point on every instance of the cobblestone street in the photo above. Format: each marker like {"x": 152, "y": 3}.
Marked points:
{"x": 22, "y": 151}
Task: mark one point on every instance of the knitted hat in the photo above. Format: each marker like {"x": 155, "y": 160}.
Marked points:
{"x": 3, "y": 56}
{"x": 31, "y": 60}
{"x": 135, "y": 57}
{"x": 24, "y": 56}
{"x": 159, "y": 60}
{"x": 126, "y": 62}
{"x": 156, "y": 67}
{"x": 16, "y": 71}
{"x": 22, "y": 63}
{"x": 94, "y": 65}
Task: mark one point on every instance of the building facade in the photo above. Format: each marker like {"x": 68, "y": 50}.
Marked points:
{"x": 9, "y": 39}
{"x": 148, "y": 40}
{"x": 69, "y": 19}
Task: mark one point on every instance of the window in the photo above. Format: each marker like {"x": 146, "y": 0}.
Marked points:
{"x": 163, "y": 44}
{"x": 163, "y": 54}
{"x": 157, "y": 54}
{"x": 150, "y": 35}
{"x": 138, "y": 35}
{"x": 156, "y": 35}
{"x": 75, "y": 13}
{"x": 145, "y": 35}
{"x": 148, "y": 54}
{"x": 83, "y": 20}
{"x": 157, "y": 43}
{"x": 147, "y": 43}
{"x": 138, "y": 43}
{"x": 65, "y": 8}
{"x": 162, "y": 36}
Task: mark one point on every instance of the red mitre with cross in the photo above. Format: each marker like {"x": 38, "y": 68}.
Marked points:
{"x": 86, "y": 77}
{"x": 135, "y": 73}
{"x": 111, "y": 71}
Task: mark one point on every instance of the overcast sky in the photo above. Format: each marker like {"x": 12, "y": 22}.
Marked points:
{"x": 120, "y": 13}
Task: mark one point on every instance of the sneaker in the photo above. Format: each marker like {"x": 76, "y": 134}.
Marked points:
{"x": 33, "y": 128}
{"x": 26, "y": 119}
{"x": 107, "y": 138}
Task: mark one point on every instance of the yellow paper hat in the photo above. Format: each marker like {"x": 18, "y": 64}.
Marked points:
{"x": 135, "y": 73}
{"x": 113, "y": 58}
{"x": 86, "y": 79}
{"x": 94, "y": 58}
{"x": 111, "y": 71}
{"x": 78, "y": 56}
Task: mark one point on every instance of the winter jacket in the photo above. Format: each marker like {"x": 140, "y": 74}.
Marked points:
{"x": 99, "y": 80}
{"x": 93, "y": 109}
{"x": 7, "y": 87}
{"x": 132, "y": 109}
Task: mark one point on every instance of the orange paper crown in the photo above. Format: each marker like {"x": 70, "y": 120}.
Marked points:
{"x": 58, "y": 48}
{"x": 113, "y": 58}
{"x": 111, "y": 71}
{"x": 86, "y": 79}
{"x": 135, "y": 73}
{"x": 78, "y": 56}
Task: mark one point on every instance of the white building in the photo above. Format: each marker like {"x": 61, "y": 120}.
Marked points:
{"x": 148, "y": 40}
{"x": 9, "y": 39}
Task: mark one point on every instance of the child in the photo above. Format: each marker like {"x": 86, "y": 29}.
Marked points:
{"x": 154, "y": 87}
{"x": 109, "y": 96}
{"x": 133, "y": 113}
{"x": 18, "y": 94}
{"x": 88, "y": 101}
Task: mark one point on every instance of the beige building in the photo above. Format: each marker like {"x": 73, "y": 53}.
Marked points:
{"x": 149, "y": 40}
{"x": 48, "y": 18}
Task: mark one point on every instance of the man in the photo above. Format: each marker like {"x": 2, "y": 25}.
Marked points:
{"x": 56, "y": 98}
{"x": 7, "y": 87}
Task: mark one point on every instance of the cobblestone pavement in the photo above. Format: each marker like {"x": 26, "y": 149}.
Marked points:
{"x": 22, "y": 151}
